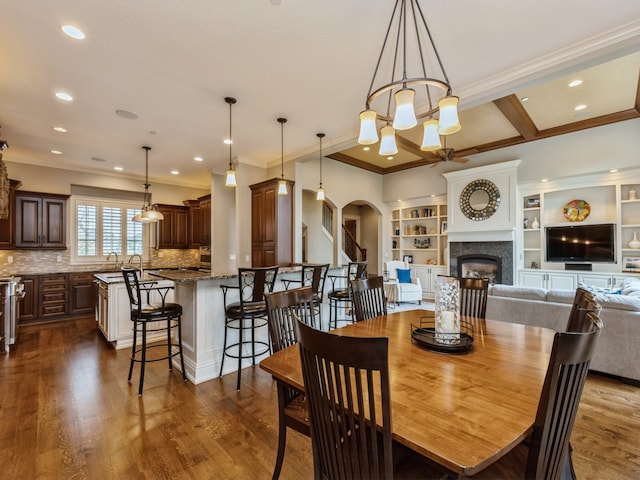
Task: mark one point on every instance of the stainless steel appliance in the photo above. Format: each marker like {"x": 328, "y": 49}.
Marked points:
{"x": 205, "y": 257}
{"x": 13, "y": 290}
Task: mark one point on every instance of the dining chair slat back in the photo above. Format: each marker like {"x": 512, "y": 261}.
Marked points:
{"x": 583, "y": 302}
{"x": 473, "y": 296}
{"x": 344, "y": 377}
{"x": 369, "y": 299}
{"x": 283, "y": 309}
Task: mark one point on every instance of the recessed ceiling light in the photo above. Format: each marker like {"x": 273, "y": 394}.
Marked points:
{"x": 544, "y": 180}
{"x": 389, "y": 158}
{"x": 575, "y": 83}
{"x": 366, "y": 149}
{"x": 580, "y": 107}
{"x": 73, "y": 32}
{"x": 119, "y": 169}
{"x": 126, "y": 114}
{"x": 64, "y": 96}
{"x": 197, "y": 159}
{"x": 228, "y": 141}
{"x": 613, "y": 170}
{"x": 56, "y": 152}
{"x": 524, "y": 99}
{"x": 60, "y": 129}
{"x": 175, "y": 172}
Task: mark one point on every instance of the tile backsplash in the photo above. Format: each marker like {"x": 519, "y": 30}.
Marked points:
{"x": 33, "y": 262}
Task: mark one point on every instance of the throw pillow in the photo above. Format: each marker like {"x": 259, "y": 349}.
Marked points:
{"x": 594, "y": 289}
{"x": 404, "y": 275}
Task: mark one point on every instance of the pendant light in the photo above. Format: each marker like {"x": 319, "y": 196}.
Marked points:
{"x": 282, "y": 184}
{"x": 320, "y": 192}
{"x": 149, "y": 213}
{"x": 230, "y": 180}
{"x": 411, "y": 84}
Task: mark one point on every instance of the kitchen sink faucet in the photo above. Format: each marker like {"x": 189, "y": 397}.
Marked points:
{"x": 116, "y": 266}
{"x": 140, "y": 261}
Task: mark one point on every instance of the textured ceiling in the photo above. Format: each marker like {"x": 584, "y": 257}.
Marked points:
{"x": 172, "y": 63}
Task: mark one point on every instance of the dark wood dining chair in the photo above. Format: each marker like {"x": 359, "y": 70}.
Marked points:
{"x": 583, "y": 302}
{"x": 283, "y": 310}
{"x": 149, "y": 317}
{"x": 340, "y": 297}
{"x": 548, "y": 454}
{"x": 347, "y": 386}
{"x": 247, "y": 314}
{"x": 473, "y": 296}
{"x": 368, "y": 298}
{"x": 315, "y": 276}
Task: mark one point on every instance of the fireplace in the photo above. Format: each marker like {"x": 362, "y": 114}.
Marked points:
{"x": 483, "y": 252}
{"x": 480, "y": 266}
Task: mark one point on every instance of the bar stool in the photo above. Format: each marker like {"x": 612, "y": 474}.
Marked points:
{"x": 341, "y": 297}
{"x": 144, "y": 316}
{"x": 313, "y": 275}
{"x": 247, "y": 314}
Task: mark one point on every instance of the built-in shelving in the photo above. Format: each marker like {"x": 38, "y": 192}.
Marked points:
{"x": 420, "y": 233}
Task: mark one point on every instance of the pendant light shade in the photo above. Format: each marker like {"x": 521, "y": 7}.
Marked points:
{"x": 368, "y": 131}
{"x": 388, "y": 143}
{"x": 230, "y": 180}
{"x": 149, "y": 213}
{"x": 282, "y": 184}
{"x": 405, "y": 117}
{"x": 449, "y": 122}
{"x": 431, "y": 139}
{"x": 320, "y": 191}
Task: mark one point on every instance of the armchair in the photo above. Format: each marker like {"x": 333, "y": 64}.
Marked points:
{"x": 398, "y": 289}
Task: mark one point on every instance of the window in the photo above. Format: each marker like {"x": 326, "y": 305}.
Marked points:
{"x": 103, "y": 226}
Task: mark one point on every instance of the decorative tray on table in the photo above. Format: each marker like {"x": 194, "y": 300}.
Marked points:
{"x": 425, "y": 336}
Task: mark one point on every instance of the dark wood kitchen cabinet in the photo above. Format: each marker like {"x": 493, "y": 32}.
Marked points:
{"x": 8, "y": 225}
{"x": 41, "y": 220}
{"x": 271, "y": 224}
{"x": 82, "y": 293}
{"x": 28, "y": 307}
{"x": 172, "y": 232}
{"x": 199, "y": 226}
{"x": 53, "y": 295}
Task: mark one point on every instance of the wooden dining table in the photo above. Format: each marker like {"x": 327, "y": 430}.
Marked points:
{"x": 462, "y": 411}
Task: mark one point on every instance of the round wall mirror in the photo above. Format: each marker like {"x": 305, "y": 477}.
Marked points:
{"x": 479, "y": 200}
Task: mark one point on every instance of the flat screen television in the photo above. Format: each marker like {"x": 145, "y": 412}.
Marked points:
{"x": 581, "y": 243}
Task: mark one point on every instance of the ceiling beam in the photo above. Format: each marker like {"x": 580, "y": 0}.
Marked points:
{"x": 511, "y": 107}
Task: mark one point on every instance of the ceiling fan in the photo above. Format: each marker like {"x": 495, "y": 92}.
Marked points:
{"x": 447, "y": 154}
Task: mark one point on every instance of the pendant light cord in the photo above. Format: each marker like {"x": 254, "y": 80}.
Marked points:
{"x": 282, "y": 122}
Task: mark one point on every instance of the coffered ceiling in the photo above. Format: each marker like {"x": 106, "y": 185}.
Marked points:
{"x": 171, "y": 64}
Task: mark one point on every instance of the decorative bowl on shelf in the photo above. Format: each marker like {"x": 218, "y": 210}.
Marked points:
{"x": 576, "y": 210}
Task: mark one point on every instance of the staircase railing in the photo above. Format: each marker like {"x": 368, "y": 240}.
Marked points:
{"x": 327, "y": 217}
{"x": 351, "y": 247}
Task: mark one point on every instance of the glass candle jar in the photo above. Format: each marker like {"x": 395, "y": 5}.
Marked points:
{"x": 447, "y": 310}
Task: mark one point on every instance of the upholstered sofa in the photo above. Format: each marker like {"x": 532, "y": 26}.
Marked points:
{"x": 618, "y": 349}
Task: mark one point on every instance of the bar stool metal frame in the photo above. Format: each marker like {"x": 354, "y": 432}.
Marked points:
{"x": 249, "y": 313}
{"x": 312, "y": 275}
{"x": 167, "y": 315}
{"x": 342, "y": 297}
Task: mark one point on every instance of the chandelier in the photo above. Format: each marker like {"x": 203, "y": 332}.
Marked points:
{"x": 415, "y": 97}
{"x": 230, "y": 180}
{"x": 149, "y": 213}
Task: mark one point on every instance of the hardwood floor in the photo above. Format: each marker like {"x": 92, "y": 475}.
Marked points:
{"x": 67, "y": 411}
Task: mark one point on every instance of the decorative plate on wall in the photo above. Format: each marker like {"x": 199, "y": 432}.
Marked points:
{"x": 576, "y": 210}
{"x": 479, "y": 200}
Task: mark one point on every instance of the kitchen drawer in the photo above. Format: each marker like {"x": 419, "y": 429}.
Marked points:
{"x": 52, "y": 310}
{"x": 54, "y": 278}
{"x": 53, "y": 296}
{"x": 81, "y": 277}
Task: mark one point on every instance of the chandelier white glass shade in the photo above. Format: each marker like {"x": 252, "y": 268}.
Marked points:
{"x": 398, "y": 100}
{"x": 320, "y": 191}
{"x": 230, "y": 180}
{"x": 149, "y": 213}
{"x": 282, "y": 184}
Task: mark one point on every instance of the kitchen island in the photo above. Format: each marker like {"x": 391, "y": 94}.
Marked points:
{"x": 203, "y": 318}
